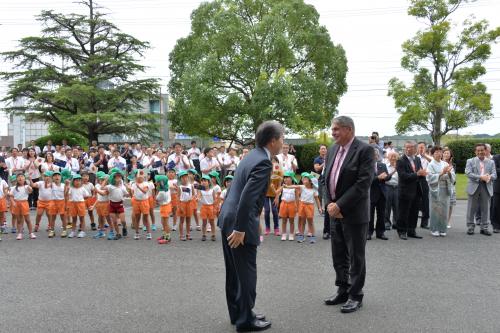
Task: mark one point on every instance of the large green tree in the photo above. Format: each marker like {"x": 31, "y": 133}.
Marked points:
{"x": 446, "y": 93}
{"x": 246, "y": 61}
{"x": 79, "y": 75}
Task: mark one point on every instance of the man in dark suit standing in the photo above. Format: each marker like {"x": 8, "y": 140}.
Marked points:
{"x": 239, "y": 224}
{"x": 348, "y": 176}
{"x": 378, "y": 199}
{"x": 411, "y": 177}
{"x": 495, "y": 219}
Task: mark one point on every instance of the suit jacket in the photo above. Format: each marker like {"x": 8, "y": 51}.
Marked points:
{"x": 496, "y": 186}
{"x": 352, "y": 192}
{"x": 245, "y": 198}
{"x": 473, "y": 172}
{"x": 378, "y": 188}
{"x": 410, "y": 184}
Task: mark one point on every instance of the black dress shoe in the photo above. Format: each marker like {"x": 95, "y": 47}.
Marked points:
{"x": 424, "y": 226}
{"x": 402, "y": 235}
{"x": 369, "y": 237}
{"x": 326, "y": 235}
{"x": 486, "y": 232}
{"x": 260, "y": 316}
{"x": 337, "y": 299}
{"x": 256, "y": 326}
{"x": 383, "y": 237}
{"x": 414, "y": 235}
{"x": 496, "y": 231}
{"x": 351, "y": 306}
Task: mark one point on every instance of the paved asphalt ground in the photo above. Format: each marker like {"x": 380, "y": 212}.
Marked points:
{"x": 447, "y": 284}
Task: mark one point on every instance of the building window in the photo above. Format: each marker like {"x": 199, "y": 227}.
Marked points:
{"x": 154, "y": 106}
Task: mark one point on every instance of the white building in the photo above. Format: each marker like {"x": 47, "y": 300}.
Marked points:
{"x": 23, "y": 131}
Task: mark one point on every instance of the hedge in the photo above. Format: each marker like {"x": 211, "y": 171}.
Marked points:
{"x": 305, "y": 156}
{"x": 464, "y": 149}
{"x": 58, "y": 138}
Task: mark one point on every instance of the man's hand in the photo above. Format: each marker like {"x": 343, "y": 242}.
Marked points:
{"x": 422, "y": 173}
{"x": 333, "y": 209}
{"x": 236, "y": 239}
{"x": 485, "y": 178}
{"x": 382, "y": 176}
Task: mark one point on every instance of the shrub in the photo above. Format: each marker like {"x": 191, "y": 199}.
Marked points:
{"x": 73, "y": 140}
{"x": 464, "y": 149}
{"x": 305, "y": 156}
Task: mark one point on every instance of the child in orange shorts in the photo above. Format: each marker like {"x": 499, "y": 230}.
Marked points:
{"x": 4, "y": 191}
{"x": 19, "y": 206}
{"x": 193, "y": 174}
{"x": 45, "y": 200}
{"x": 308, "y": 197}
{"x": 91, "y": 199}
{"x": 152, "y": 202}
{"x": 101, "y": 205}
{"x": 58, "y": 206}
{"x": 75, "y": 194}
{"x": 207, "y": 197}
{"x": 174, "y": 194}
{"x": 185, "y": 210}
{"x": 288, "y": 206}
{"x": 164, "y": 200}
{"x": 140, "y": 190}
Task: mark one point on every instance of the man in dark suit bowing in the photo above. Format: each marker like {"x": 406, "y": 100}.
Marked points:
{"x": 411, "y": 176}
{"x": 349, "y": 172}
{"x": 239, "y": 224}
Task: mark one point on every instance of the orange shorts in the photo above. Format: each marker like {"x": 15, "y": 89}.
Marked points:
{"x": 21, "y": 208}
{"x": 194, "y": 204}
{"x": 207, "y": 212}
{"x": 174, "y": 199}
{"x": 58, "y": 207}
{"x": 152, "y": 202}
{"x": 90, "y": 201}
{"x": 184, "y": 209}
{"x": 165, "y": 210}
{"x": 77, "y": 208}
{"x": 3, "y": 205}
{"x": 140, "y": 207}
{"x": 102, "y": 208}
{"x": 44, "y": 205}
{"x": 288, "y": 209}
{"x": 306, "y": 210}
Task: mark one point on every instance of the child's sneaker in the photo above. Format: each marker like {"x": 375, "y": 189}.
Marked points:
{"x": 164, "y": 239}
{"x": 111, "y": 235}
{"x": 93, "y": 227}
{"x": 69, "y": 226}
{"x": 137, "y": 236}
{"x": 19, "y": 236}
{"x": 189, "y": 237}
{"x": 300, "y": 238}
{"x": 148, "y": 236}
{"x": 261, "y": 238}
{"x": 203, "y": 238}
{"x": 81, "y": 234}
{"x": 277, "y": 232}
{"x": 37, "y": 226}
{"x": 51, "y": 234}
{"x": 199, "y": 228}
{"x": 106, "y": 225}
{"x": 268, "y": 231}
{"x": 13, "y": 230}
{"x": 213, "y": 238}
{"x": 100, "y": 234}
{"x": 32, "y": 236}
{"x": 118, "y": 236}
{"x": 291, "y": 237}
{"x": 312, "y": 239}
{"x": 183, "y": 238}
{"x": 124, "y": 232}
{"x": 153, "y": 227}
{"x": 174, "y": 228}
{"x": 144, "y": 228}
{"x": 72, "y": 234}
{"x": 64, "y": 234}
{"x": 283, "y": 237}
{"x": 209, "y": 228}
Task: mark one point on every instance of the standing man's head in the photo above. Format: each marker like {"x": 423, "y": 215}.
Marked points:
{"x": 323, "y": 150}
{"x": 270, "y": 135}
{"x": 481, "y": 151}
{"x": 342, "y": 130}
{"x": 410, "y": 148}
{"x": 422, "y": 148}
{"x": 14, "y": 152}
{"x": 488, "y": 150}
{"x": 49, "y": 143}
{"x": 177, "y": 148}
{"x": 285, "y": 149}
{"x": 193, "y": 144}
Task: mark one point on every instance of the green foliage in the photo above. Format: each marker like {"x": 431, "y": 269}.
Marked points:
{"x": 464, "y": 149}
{"x": 249, "y": 61}
{"x": 305, "y": 156}
{"x": 73, "y": 140}
{"x": 79, "y": 75}
{"x": 59, "y": 132}
{"x": 448, "y": 96}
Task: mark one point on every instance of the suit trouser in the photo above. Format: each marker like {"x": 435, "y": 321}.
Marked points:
{"x": 481, "y": 200}
{"x": 408, "y": 214}
{"x": 241, "y": 281}
{"x": 326, "y": 221}
{"x": 379, "y": 206}
{"x": 196, "y": 163}
{"x": 424, "y": 205}
{"x": 391, "y": 205}
{"x": 495, "y": 219}
{"x": 348, "y": 253}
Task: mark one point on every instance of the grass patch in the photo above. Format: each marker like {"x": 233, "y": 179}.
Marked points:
{"x": 461, "y": 185}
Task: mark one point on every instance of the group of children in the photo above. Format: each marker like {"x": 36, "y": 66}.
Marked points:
{"x": 71, "y": 197}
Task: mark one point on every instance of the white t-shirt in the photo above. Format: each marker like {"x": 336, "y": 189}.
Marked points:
{"x": 147, "y": 161}
{"x": 208, "y": 164}
{"x": 194, "y": 153}
{"x": 119, "y": 163}
{"x": 231, "y": 162}
{"x": 33, "y": 170}
{"x": 223, "y": 194}
{"x": 89, "y": 187}
{"x": 217, "y": 189}
{"x": 138, "y": 194}
{"x": 307, "y": 195}
{"x": 171, "y": 184}
{"x": 287, "y": 162}
{"x": 58, "y": 191}
{"x": 45, "y": 193}
{"x": 49, "y": 167}
{"x": 180, "y": 161}
{"x": 100, "y": 197}
{"x": 72, "y": 164}
{"x": 78, "y": 194}
{"x": 163, "y": 198}
{"x": 21, "y": 193}
{"x": 3, "y": 185}
{"x": 186, "y": 193}
{"x": 288, "y": 194}
{"x": 116, "y": 193}
{"x": 14, "y": 163}
{"x": 207, "y": 197}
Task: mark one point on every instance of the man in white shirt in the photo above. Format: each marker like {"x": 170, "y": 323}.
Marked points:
{"x": 209, "y": 163}
{"x": 180, "y": 160}
{"x": 424, "y": 206}
{"x": 117, "y": 161}
{"x": 287, "y": 161}
{"x": 220, "y": 154}
{"x": 15, "y": 163}
{"x": 194, "y": 155}
{"x": 35, "y": 147}
{"x": 147, "y": 159}
{"x": 72, "y": 163}
{"x": 65, "y": 145}
{"x": 231, "y": 161}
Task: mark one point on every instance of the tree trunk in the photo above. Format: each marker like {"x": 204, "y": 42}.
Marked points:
{"x": 92, "y": 135}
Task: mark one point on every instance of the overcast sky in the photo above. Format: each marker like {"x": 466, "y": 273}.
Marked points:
{"x": 370, "y": 31}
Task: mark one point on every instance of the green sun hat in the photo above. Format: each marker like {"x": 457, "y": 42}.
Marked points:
{"x": 307, "y": 174}
{"x": 206, "y": 177}
{"x": 215, "y": 174}
{"x": 182, "y": 173}
{"x": 100, "y": 174}
{"x": 114, "y": 170}
{"x": 291, "y": 174}
{"x": 193, "y": 171}
{"x": 48, "y": 173}
{"x": 112, "y": 176}
{"x": 66, "y": 174}
{"x": 162, "y": 180}
{"x": 228, "y": 177}
{"x": 13, "y": 178}
{"x": 55, "y": 173}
